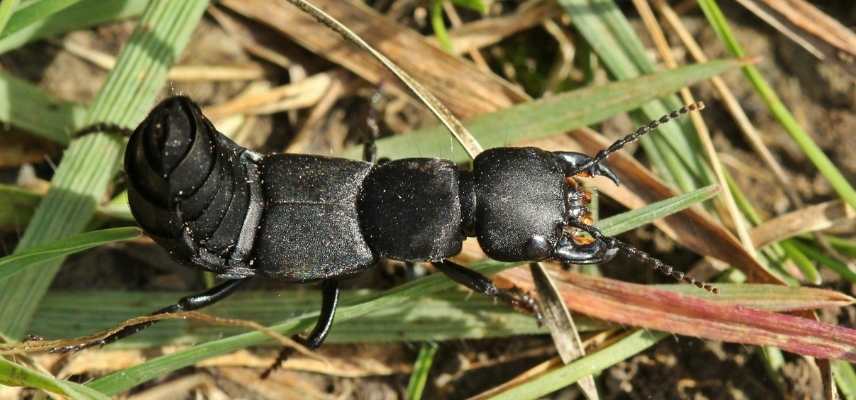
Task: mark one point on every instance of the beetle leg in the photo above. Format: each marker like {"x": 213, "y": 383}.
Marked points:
{"x": 330, "y": 293}
{"x": 482, "y": 284}
{"x": 596, "y": 252}
{"x": 574, "y": 164}
{"x": 189, "y": 303}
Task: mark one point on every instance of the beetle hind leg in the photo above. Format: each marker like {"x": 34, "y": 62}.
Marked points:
{"x": 330, "y": 293}
{"x": 189, "y": 303}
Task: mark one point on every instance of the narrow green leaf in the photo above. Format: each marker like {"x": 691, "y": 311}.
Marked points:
{"x": 90, "y": 162}
{"x": 845, "y": 378}
{"x": 7, "y": 8}
{"x": 450, "y": 315}
{"x": 660, "y": 209}
{"x": 475, "y": 5}
{"x": 591, "y": 364}
{"x": 83, "y": 14}
{"x": 28, "y": 107}
{"x": 421, "y": 369}
{"x": 549, "y": 116}
{"x": 32, "y": 12}
{"x": 839, "y": 267}
{"x": 777, "y": 108}
{"x": 12, "y": 374}
{"x": 37, "y": 255}
{"x": 439, "y": 26}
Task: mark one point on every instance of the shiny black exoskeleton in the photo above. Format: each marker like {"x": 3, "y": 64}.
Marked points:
{"x": 303, "y": 218}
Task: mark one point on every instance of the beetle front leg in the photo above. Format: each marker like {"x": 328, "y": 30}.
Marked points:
{"x": 482, "y": 284}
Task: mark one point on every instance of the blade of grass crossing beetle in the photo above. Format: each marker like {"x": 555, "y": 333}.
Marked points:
{"x": 550, "y": 116}
{"x": 566, "y": 375}
{"x": 780, "y": 111}
{"x": 126, "y": 379}
{"x": 90, "y": 162}
{"x": 37, "y": 255}
{"x": 421, "y": 369}
{"x": 84, "y": 14}
{"x": 12, "y": 374}
{"x": 561, "y": 324}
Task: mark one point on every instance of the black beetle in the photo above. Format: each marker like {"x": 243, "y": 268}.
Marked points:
{"x": 305, "y": 218}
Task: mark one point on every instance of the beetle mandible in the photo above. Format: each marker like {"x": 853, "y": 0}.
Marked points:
{"x": 305, "y": 218}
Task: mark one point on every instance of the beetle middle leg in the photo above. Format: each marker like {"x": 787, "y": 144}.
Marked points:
{"x": 189, "y": 303}
{"x": 482, "y": 284}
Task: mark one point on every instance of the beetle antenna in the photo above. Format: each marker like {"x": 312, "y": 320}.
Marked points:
{"x": 655, "y": 263}
{"x": 639, "y": 132}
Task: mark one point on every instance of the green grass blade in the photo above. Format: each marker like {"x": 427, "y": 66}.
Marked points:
{"x": 33, "y": 12}
{"x": 90, "y": 163}
{"x": 450, "y": 315}
{"x": 38, "y": 255}
{"x": 839, "y": 267}
{"x": 568, "y": 374}
{"x": 83, "y": 14}
{"x": 7, "y": 8}
{"x": 608, "y": 32}
{"x": 421, "y": 369}
{"x": 30, "y": 109}
{"x": 654, "y": 211}
{"x": 475, "y": 5}
{"x": 439, "y": 26}
{"x": 550, "y": 116}
{"x": 12, "y": 374}
{"x": 777, "y": 108}
{"x": 845, "y": 378}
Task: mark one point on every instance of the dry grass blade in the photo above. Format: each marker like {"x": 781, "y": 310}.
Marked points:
{"x": 465, "y": 89}
{"x": 300, "y": 94}
{"x": 558, "y": 319}
{"x": 39, "y": 345}
{"x": 181, "y": 73}
{"x": 455, "y": 127}
{"x": 805, "y": 21}
{"x": 804, "y": 220}
{"x": 485, "y": 32}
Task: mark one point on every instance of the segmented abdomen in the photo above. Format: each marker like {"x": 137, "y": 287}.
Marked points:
{"x": 193, "y": 190}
